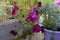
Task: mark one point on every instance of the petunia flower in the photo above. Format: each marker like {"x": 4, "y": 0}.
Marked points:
{"x": 42, "y": 29}
{"x": 36, "y": 28}
{"x": 57, "y": 3}
{"x": 40, "y": 5}
{"x": 14, "y": 3}
{"x": 13, "y": 32}
{"x": 33, "y": 7}
{"x": 32, "y": 17}
{"x": 28, "y": 19}
{"x": 15, "y": 10}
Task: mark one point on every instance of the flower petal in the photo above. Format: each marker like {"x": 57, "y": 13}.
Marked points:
{"x": 13, "y": 32}
{"x": 32, "y": 7}
{"x": 36, "y": 28}
{"x": 57, "y": 3}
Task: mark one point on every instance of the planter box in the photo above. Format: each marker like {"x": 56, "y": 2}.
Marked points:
{"x": 47, "y": 34}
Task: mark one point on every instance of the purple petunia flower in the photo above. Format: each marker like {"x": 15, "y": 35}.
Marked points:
{"x": 15, "y": 10}
{"x": 57, "y": 3}
{"x": 13, "y": 32}
{"x": 42, "y": 29}
{"x": 36, "y": 28}
{"x": 15, "y": 2}
{"x": 39, "y": 4}
{"x": 32, "y": 17}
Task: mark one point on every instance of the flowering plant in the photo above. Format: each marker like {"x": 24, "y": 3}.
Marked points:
{"x": 28, "y": 17}
{"x": 31, "y": 13}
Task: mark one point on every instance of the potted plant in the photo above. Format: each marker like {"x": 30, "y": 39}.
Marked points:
{"x": 51, "y": 23}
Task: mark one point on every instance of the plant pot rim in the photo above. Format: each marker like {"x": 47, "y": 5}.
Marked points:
{"x": 51, "y": 30}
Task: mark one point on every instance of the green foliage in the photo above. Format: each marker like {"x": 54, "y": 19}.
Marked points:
{"x": 50, "y": 13}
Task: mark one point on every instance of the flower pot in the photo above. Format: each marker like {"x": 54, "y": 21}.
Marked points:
{"x": 47, "y": 34}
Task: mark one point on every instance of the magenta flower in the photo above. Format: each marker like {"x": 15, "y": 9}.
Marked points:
{"x": 15, "y": 10}
{"x": 28, "y": 19}
{"x": 57, "y": 3}
{"x": 32, "y": 17}
{"x": 33, "y": 7}
{"x": 36, "y": 28}
{"x": 13, "y": 32}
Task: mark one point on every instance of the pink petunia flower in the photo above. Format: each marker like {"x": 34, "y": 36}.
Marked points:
{"x": 57, "y": 3}
{"x": 32, "y": 17}
{"x": 36, "y": 28}
{"x": 33, "y": 7}
{"x": 15, "y": 10}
